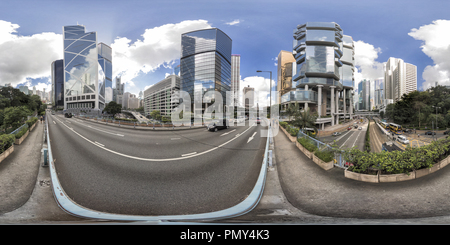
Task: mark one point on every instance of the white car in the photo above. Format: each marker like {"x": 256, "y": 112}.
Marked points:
{"x": 402, "y": 139}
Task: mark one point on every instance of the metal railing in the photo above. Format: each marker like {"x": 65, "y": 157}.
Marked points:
{"x": 338, "y": 154}
{"x": 19, "y": 128}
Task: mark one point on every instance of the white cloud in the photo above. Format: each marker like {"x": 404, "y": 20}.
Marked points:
{"x": 160, "y": 46}
{"x": 234, "y": 22}
{"x": 23, "y": 57}
{"x": 261, "y": 86}
{"x": 436, "y": 45}
{"x": 365, "y": 62}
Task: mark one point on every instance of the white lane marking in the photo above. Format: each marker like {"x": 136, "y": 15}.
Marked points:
{"x": 175, "y": 138}
{"x": 251, "y": 137}
{"x": 228, "y": 132}
{"x": 98, "y": 143}
{"x": 188, "y": 154}
{"x": 356, "y": 138}
{"x": 154, "y": 160}
{"x": 54, "y": 122}
{"x": 121, "y": 135}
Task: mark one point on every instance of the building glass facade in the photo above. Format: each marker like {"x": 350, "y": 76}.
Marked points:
{"x": 105, "y": 62}
{"x": 205, "y": 64}
{"x": 82, "y": 72}
{"x": 58, "y": 83}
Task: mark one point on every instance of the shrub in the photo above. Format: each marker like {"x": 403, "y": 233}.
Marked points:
{"x": 307, "y": 144}
{"x": 283, "y": 124}
{"x": 325, "y": 155}
{"x": 6, "y": 141}
{"x": 32, "y": 121}
{"x": 21, "y": 132}
{"x": 293, "y": 131}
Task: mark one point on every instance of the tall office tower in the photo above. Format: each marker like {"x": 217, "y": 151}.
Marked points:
{"x": 249, "y": 99}
{"x": 205, "y": 65}
{"x": 23, "y": 89}
{"x": 105, "y": 62}
{"x": 57, "y": 69}
{"x": 81, "y": 71}
{"x": 119, "y": 89}
{"x": 235, "y": 78}
{"x": 379, "y": 93}
{"x": 323, "y": 73}
{"x": 400, "y": 78}
{"x": 286, "y": 61}
{"x": 364, "y": 95}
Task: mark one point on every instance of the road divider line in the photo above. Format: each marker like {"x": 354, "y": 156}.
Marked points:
{"x": 98, "y": 143}
{"x": 94, "y": 128}
{"x": 154, "y": 160}
{"x": 188, "y": 154}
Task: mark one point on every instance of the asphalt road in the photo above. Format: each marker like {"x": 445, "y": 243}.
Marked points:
{"x": 142, "y": 172}
{"x": 349, "y": 139}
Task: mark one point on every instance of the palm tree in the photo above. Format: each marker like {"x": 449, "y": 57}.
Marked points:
{"x": 291, "y": 110}
{"x": 305, "y": 119}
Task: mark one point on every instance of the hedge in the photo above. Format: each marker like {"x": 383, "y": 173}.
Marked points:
{"x": 6, "y": 141}
{"x": 32, "y": 121}
{"x": 397, "y": 162}
{"x": 21, "y": 132}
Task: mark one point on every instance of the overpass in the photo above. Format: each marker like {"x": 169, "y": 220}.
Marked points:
{"x": 138, "y": 116}
{"x": 367, "y": 113}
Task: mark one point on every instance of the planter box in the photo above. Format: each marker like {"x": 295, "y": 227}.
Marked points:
{"x": 32, "y": 126}
{"x": 361, "y": 177}
{"x": 6, "y": 153}
{"x": 397, "y": 177}
{"x": 322, "y": 164}
{"x": 21, "y": 139}
{"x": 444, "y": 162}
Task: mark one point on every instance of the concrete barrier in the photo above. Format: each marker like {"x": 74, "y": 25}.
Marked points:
{"x": 6, "y": 153}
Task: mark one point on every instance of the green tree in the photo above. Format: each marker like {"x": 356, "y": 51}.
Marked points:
{"x": 156, "y": 115}
{"x": 15, "y": 116}
{"x": 113, "y": 108}
{"x": 291, "y": 110}
{"x": 305, "y": 119}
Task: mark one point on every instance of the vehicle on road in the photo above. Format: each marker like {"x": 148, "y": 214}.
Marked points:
{"x": 309, "y": 131}
{"x": 395, "y": 128}
{"x": 53, "y": 113}
{"x": 337, "y": 133}
{"x": 402, "y": 139}
{"x": 215, "y": 126}
{"x": 446, "y": 132}
{"x": 384, "y": 125}
{"x": 349, "y": 128}
{"x": 430, "y": 133}
{"x": 359, "y": 128}
{"x": 68, "y": 115}
{"x": 258, "y": 120}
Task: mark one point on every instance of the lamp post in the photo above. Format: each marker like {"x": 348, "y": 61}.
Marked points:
{"x": 435, "y": 137}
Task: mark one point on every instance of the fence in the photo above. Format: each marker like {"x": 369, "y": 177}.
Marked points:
{"x": 19, "y": 128}
{"x": 338, "y": 154}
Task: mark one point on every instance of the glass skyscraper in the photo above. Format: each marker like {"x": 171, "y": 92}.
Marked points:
{"x": 82, "y": 73}
{"x": 323, "y": 70}
{"x": 58, "y": 83}
{"x": 205, "y": 64}
{"x": 105, "y": 62}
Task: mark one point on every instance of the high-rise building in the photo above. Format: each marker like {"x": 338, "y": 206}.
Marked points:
{"x": 400, "y": 78}
{"x": 205, "y": 65}
{"x": 82, "y": 73}
{"x": 235, "y": 78}
{"x": 105, "y": 62}
{"x": 286, "y": 61}
{"x": 23, "y": 89}
{"x": 323, "y": 73}
{"x": 248, "y": 97}
{"x": 162, "y": 96}
{"x": 57, "y": 69}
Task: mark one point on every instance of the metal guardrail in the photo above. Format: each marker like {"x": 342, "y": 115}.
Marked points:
{"x": 248, "y": 204}
{"x": 19, "y": 128}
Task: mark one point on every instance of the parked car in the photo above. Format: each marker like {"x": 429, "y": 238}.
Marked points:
{"x": 446, "y": 132}
{"x": 68, "y": 115}
{"x": 402, "y": 139}
{"x": 337, "y": 133}
{"x": 430, "y": 133}
{"x": 214, "y": 126}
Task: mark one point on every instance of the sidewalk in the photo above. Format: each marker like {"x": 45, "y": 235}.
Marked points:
{"x": 315, "y": 191}
{"x": 25, "y": 188}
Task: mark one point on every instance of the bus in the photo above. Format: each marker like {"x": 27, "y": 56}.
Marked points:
{"x": 384, "y": 125}
{"x": 395, "y": 128}
{"x": 309, "y": 131}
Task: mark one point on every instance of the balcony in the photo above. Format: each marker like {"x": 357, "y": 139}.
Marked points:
{"x": 300, "y": 96}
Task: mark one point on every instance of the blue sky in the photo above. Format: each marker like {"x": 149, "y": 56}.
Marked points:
{"x": 145, "y": 35}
